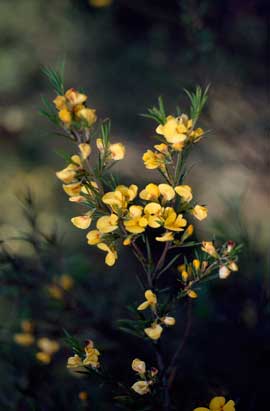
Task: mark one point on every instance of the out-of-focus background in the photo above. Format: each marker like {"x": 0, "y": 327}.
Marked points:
{"x": 125, "y": 54}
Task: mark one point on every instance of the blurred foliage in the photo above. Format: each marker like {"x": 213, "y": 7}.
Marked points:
{"x": 127, "y": 53}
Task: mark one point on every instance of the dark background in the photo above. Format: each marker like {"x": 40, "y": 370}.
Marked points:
{"x": 124, "y": 55}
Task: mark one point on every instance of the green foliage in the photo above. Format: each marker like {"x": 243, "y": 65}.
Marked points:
{"x": 198, "y": 99}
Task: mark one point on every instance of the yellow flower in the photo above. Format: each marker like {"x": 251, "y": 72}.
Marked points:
{"x": 83, "y": 396}
{"x": 111, "y": 254}
{"x": 224, "y": 272}
{"x": 167, "y": 236}
{"x": 92, "y": 357}
{"x": 192, "y": 294}
{"x": 184, "y": 275}
{"x": 100, "y": 145}
{"x": 100, "y": 3}
{"x": 72, "y": 189}
{"x": 119, "y": 198}
{"x": 55, "y": 291}
{"x": 200, "y": 212}
{"x": 166, "y": 191}
{"x": 26, "y": 339}
{"x": 154, "y": 332}
{"x": 82, "y": 221}
{"x": 66, "y": 282}
{"x": 60, "y": 102}
{"x": 141, "y": 387}
{"x": 88, "y": 115}
{"x": 65, "y": 116}
{"x": 151, "y": 300}
{"x": 48, "y": 346}
{"x": 153, "y": 213}
{"x": 67, "y": 175}
{"x": 196, "y": 264}
{"x": 196, "y": 135}
{"x": 43, "y": 357}
{"x": 188, "y": 232}
{"x": 138, "y": 366}
{"x": 76, "y": 199}
{"x": 135, "y": 222}
{"x": 169, "y": 321}
{"x": 185, "y": 192}
{"x": 218, "y": 404}
{"x": 107, "y": 224}
{"x": 129, "y": 193}
{"x": 233, "y": 266}
{"x": 117, "y": 151}
{"x": 153, "y": 160}
{"x": 162, "y": 148}
{"x": 150, "y": 192}
{"x": 174, "y": 130}
{"x": 74, "y": 362}
{"x": 173, "y": 221}
{"x": 74, "y": 98}
{"x": 209, "y": 248}
{"x": 85, "y": 150}
{"x": 93, "y": 237}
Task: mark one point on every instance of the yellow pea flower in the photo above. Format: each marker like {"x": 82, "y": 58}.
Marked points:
{"x": 55, "y": 291}
{"x": 224, "y": 272}
{"x": 66, "y": 282}
{"x": 173, "y": 130}
{"x": 74, "y": 97}
{"x": 153, "y": 160}
{"x": 48, "y": 346}
{"x": 82, "y": 221}
{"x": 129, "y": 193}
{"x": 117, "y": 151}
{"x": 83, "y": 396}
{"x": 115, "y": 200}
{"x": 218, "y": 404}
{"x": 135, "y": 222}
{"x": 154, "y": 332}
{"x": 178, "y": 146}
{"x": 93, "y": 237}
{"x": 192, "y": 294}
{"x": 74, "y": 362}
{"x": 77, "y": 199}
{"x": 65, "y": 116}
{"x": 92, "y": 357}
{"x": 196, "y": 135}
{"x": 150, "y": 192}
{"x": 209, "y": 248}
{"x": 173, "y": 221}
{"x": 111, "y": 256}
{"x": 166, "y": 191}
{"x": 167, "y": 236}
{"x": 185, "y": 192}
{"x": 72, "y": 189}
{"x": 169, "y": 321}
{"x": 200, "y": 212}
{"x": 162, "y": 148}
{"x": 25, "y": 339}
{"x": 67, "y": 175}
{"x": 138, "y": 366}
{"x": 184, "y": 275}
{"x": 107, "y": 224}
{"x": 141, "y": 387}
{"x": 88, "y": 115}
{"x": 43, "y": 357}
{"x": 196, "y": 264}
{"x": 60, "y": 102}
{"x": 188, "y": 232}
{"x": 233, "y": 266}
{"x": 85, "y": 150}
{"x": 151, "y": 300}
{"x": 153, "y": 213}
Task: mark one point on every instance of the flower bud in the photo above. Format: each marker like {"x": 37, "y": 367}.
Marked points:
{"x": 170, "y": 321}
{"x": 138, "y": 366}
{"x": 224, "y": 272}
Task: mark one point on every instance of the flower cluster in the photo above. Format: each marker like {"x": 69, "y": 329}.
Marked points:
{"x": 218, "y": 404}
{"x": 47, "y": 346}
{"x": 90, "y": 359}
{"x": 147, "y": 377}
{"x": 155, "y": 330}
